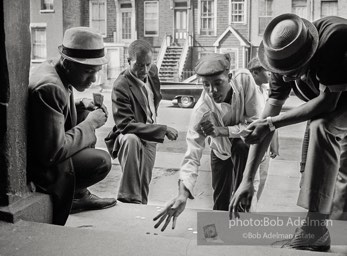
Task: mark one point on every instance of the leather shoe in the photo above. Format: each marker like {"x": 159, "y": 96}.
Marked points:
{"x": 90, "y": 201}
{"x": 306, "y": 239}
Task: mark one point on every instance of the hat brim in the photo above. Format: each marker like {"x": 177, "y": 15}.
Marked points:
{"x": 315, "y": 40}
{"x": 85, "y": 61}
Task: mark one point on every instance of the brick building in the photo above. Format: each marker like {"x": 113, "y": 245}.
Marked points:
{"x": 180, "y": 31}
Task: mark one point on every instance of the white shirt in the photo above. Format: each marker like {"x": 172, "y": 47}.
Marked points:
{"x": 246, "y": 106}
{"x": 150, "y": 108}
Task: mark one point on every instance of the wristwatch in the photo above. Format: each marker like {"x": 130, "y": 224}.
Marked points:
{"x": 270, "y": 123}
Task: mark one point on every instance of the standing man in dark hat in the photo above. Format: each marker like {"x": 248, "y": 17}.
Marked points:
{"x": 311, "y": 59}
{"x": 221, "y": 115}
{"x": 62, "y": 159}
{"x": 134, "y": 137}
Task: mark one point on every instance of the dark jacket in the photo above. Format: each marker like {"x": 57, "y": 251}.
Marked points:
{"x": 129, "y": 110}
{"x": 328, "y": 65}
{"x": 54, "y": 136}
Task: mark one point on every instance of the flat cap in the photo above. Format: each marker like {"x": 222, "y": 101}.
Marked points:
{"x": 212, "y": 64}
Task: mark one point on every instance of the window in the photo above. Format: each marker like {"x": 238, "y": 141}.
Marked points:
{"x": 299, "y": 7}
{"x": 328, "y": 8}
{"x": 265, "y": 14}
{"x": 207, "y": 17}
{"x": 98, "y": 16}
{"x": 126, "y": 25}
{"x": 237, "y": 11}
{"x": 38, "y": 43}
{"x": 151, "y": 19}
{"x": 125, "y": 16}
{"x": 46, "y": 5}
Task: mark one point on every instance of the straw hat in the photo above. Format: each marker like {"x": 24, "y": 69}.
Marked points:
{"x": 83, "y": 45}
{"x": 289, "y": 43}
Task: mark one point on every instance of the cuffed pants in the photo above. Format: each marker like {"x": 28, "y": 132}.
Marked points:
{"x": 324, "y": 186}
{"x": 136, "y": 158}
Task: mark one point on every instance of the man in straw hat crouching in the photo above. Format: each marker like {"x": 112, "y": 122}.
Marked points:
{"x": 62, "y": 159}
{"x": 311, "y": 59}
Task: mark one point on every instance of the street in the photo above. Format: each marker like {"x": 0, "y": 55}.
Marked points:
{"x": 283, "y": 181}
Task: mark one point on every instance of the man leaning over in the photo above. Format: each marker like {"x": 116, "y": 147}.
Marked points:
{"x": 221, "y": 115}
{"x": 311, "y": 59}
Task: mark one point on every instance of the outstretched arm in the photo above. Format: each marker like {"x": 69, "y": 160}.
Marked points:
{"x": 173, "y": 209}
{"x": 243, "y": 195}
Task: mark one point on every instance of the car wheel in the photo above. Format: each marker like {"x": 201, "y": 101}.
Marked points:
{"x": 186, "y": 102}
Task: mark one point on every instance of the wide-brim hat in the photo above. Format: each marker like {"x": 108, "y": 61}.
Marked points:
{"x": 288, "y": 44}
{"x": 83, "y": 45}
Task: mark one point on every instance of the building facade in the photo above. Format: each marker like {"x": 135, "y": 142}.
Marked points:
{"x": 180, "y": 31}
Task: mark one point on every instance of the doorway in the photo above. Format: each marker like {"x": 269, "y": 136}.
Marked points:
{"x": 181, "y": 26}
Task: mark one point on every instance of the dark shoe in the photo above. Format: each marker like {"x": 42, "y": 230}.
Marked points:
{"x": 307, "y": 239}
{"x": 91, "y": 202}
{"x": 129, "y": 201}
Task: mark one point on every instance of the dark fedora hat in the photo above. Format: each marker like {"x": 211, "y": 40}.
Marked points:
{"x": 83, "y": 45}
{"x": 289, "y": 43}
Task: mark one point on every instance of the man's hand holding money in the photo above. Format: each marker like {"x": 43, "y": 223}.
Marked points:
{"x": 210, "y": 126}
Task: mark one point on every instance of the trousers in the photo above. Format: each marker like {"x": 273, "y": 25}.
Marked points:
{"x": 91, "y": 166}
{"x": 227, "y": 174}
{"x": 136, "y": 158}
{"x": 324, "y": 185}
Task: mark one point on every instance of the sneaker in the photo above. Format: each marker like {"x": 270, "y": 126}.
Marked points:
{"x": 307, "y": 239}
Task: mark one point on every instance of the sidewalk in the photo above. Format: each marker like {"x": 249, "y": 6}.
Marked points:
{"x": 127, "y": 229}
{"x": 124, "y": 231}
{"x": 283, "y": 179}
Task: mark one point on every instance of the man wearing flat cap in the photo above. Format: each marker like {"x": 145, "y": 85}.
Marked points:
{"x": 311, "y": 59}
{"x": 221, "y": 115}
{"x": 62, "y": 159}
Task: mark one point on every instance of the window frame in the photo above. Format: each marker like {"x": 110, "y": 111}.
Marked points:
{"x": 125, "y": 10}
{"x": 327, "y": 1}
{"x": 144, "y": 19}
{"x": 91, "y": 13}
{"x": 244, "y": 2}
{"x": 36, "y": 26}
{"x": 214, "y": 18}
{"x": 44, "y": 10}
{"x": 265, "y": 16}
{"x": 302, "y": 4}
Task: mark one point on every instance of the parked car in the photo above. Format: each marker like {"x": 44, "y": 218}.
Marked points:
{"x": 184, "y": 94}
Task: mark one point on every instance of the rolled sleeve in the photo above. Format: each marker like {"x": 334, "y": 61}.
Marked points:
{"x": 191, "y": 162}
{"x": 279, "y": 90}
{"x": 188, "y": 181}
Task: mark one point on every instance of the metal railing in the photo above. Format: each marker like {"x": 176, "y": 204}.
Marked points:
{"x": 186, "y": 73}
{"x": 185, "y": 51}
{"x": 164, "y": 44}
